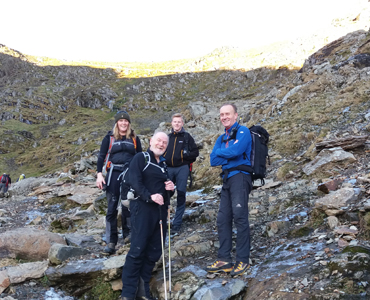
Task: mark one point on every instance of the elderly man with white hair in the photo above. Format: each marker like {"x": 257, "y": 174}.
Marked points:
{"x": 149, "y": 179}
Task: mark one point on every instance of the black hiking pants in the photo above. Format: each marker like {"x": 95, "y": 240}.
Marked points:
{"x": 113, "y": 193}
{"x": 234, "y": 207}
{"x": 146, "y": 246}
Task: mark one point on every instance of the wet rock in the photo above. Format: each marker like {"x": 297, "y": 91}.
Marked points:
{"x": 27, "y": 243}
{"x": 217, "y": 290}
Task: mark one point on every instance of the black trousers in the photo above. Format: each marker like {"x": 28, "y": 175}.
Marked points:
{"x": 113, "y": 193}
{"x": 146, "y": 247}
{"x": 234, "y": 207}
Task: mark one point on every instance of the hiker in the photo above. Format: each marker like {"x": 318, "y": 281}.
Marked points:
{"x": 180, "y": 154}
{"x": 21, "y": 177}
{"x": 117, "y": 148}
{"x": 232, "y": 154}
{"x": 150, "y": 182}
{"x": 5, "y": 183}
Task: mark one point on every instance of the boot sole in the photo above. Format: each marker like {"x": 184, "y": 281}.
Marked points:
{"x": 220, "y": 270}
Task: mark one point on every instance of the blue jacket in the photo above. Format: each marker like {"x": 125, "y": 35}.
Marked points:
{"x": 232, "y": 155}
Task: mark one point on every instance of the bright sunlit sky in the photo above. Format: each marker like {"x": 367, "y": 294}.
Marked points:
{"x": 155, "y": 30}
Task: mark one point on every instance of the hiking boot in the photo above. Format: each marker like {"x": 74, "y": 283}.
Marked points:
{"x": 109, "y": 249}
{"x": 239, "y": 268}
{"x": 175, "y": 231}
{"x": 220, "y": 266}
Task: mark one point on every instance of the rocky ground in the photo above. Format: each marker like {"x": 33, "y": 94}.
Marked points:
{"x": 309, "y": 237}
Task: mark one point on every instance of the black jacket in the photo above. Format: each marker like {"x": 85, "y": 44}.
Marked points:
{"x": 151, "y": 180}
{"x": 174, "y": 155}
{"x": 122, "y": 151}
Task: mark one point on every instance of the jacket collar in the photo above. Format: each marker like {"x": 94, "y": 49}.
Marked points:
{"x": 161, "y": 158}
{"x": 227, "y": 131}
{"x": 181, "y": 131}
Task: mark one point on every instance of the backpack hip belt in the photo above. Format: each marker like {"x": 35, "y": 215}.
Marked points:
{"x": 117, "y": 167}
{"x": 244, "y": 168}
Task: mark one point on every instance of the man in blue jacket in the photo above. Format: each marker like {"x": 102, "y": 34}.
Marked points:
{"x": 232, "y": 152}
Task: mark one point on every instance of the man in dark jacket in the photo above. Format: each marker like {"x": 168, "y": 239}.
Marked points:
{"x": 148, "y": 178}
{"x": 181, "y": 152}
{"x": 232, "y": 151}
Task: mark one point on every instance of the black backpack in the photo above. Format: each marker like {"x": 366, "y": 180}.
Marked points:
{"x": 127, "y": 193}
{"x": 259, "y": 153}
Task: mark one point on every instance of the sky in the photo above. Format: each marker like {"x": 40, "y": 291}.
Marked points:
{"x": 155, "y": 30}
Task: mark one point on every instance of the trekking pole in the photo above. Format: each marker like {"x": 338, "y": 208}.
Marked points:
{"x": 169, "y": 252}
{"x": 164, "y": 265}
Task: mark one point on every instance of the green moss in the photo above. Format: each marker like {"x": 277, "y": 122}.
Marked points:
{"x": 102, "y": 291}
{"x": 356, "y": 249}
{"x": 300, "y": 232}
{"x": 55, "y": 200}
{"x": 317, "y": 218}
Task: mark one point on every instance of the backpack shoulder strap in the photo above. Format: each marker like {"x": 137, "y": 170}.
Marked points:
{"x": 135, "y": 143}
{"x": 147, "y": 160}
{"x": 111, "y": 141}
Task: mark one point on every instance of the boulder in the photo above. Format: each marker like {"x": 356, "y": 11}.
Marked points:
{"x": 28, "y": 243}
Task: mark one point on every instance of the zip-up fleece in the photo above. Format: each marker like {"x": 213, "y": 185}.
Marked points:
{"x": 122, "y": 151}
{"x": 174, "y": 154}
{"x": 151, "y": 180}
{"x": 231, "y": 154}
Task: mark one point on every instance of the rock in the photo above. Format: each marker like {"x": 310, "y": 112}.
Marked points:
{"x": 333, "y": 222}
{"x": 59, "y": 253}
{"x": 79, "y": 276}
{"x": 331, "y": 185}
{"x": 346, "y": 143}
{"x": 28, "y": 243}
{"x": 341, "y": 230}
{"x": 79, "y": 240}
{"x": 216, "y": 290}
{"x": 275, "y": 226}
{"x": 27, "y": 271}
{"x": 327, "y": 156}
{"x": 337, "y": 200}
{"x": 4, "y": 280}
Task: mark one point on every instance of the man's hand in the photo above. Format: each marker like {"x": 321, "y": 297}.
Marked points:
{"x": 169, "y": 185}
{"x": 157, "y": 198}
